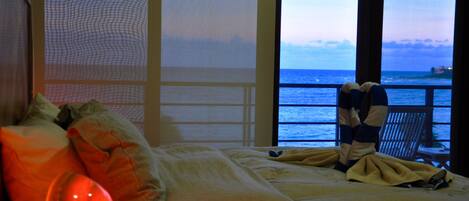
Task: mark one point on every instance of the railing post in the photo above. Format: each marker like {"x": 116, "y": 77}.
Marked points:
{"x": 337, "y": 123}
{"x": 428, "y": 135}
{"x": 246, "y": 114}
{"x": 249, "y": 118}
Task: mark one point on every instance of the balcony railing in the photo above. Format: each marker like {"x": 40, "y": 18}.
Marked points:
{"x": 133, "y": 107}
{"x": 429, "y": 103}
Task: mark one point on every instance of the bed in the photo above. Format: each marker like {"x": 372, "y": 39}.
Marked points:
{"x": 192, "y": 172}
{"x": 294, "y": 181}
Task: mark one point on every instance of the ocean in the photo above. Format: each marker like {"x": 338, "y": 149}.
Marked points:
{"x": 328, "y": 96}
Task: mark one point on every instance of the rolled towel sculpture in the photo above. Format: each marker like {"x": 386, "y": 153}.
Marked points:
{"x": 362, "y": 111}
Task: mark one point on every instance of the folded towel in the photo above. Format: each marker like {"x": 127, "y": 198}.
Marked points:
{"x": 373, "y": 168}
{"x": 362, "y": 111}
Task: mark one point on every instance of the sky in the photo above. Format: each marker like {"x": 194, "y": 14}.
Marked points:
{"x": 321, "y": 34}
{"x": 315, "y": 34}
{"x": 219, "y": 20}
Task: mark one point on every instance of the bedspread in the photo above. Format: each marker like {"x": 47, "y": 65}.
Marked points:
{"x": 200, "y": 173}
{"x": 374, "y": 168}
{"x": 308, "y": 183}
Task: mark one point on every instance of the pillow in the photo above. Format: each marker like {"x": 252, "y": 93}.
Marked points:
{"x": 117, "y": 156}
{"x": 41, "y": 108}
{"x": 72, "y": 112}
{"x": 34, "y": 153}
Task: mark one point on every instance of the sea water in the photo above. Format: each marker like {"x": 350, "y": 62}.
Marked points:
{"x": 327, "y": 96}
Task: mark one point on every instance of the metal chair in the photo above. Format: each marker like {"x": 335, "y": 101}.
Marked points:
{"x": 402, "y": 131}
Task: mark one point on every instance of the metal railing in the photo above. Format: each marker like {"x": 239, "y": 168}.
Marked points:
{"x": 247, "y": 104}
{"x": 429, "y": 103}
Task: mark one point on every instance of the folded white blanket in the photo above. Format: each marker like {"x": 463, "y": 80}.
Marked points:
{"x": 200, "y": 173}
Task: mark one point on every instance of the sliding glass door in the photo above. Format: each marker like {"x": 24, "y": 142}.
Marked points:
{"x": 180, "y": 70}
{"x": 417, "y": 58}
{"x": 208, "y": 72}
{"x": 317, "y": 54}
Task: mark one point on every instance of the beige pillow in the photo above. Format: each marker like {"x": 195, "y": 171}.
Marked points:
{"x": 34, "y": 153}
{"x": 117, "y": 156}
{"x": 41, "y": 108}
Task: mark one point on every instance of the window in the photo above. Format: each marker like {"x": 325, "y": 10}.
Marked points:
{"x": 208, "y": 72}
{"x": 417, "y": 50}
{"x": 318, "y": 47}
{"x": 97, "y": 50}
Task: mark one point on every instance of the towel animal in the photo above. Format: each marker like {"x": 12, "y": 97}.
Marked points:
{"x": 362, "y": 111}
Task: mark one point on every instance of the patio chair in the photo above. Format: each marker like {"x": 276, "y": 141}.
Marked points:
{"x": 402, "y": 131}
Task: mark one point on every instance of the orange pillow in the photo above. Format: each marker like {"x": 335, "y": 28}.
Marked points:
{"x": 33, "y": 155}
{"x": 117, "y": 156}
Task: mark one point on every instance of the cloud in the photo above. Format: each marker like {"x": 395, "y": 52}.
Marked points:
{"x": 416, "y": 55}
{"x": 406, "y": 54}
{"x": 318, "y": 55}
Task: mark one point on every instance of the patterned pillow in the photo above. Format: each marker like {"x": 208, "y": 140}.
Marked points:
{"x": 117, "y": 156}
{"x": 41, "y": 108}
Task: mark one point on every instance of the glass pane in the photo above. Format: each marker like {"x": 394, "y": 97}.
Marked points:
{"x": 442, "y": 97}
{"x": 442, "y": 115}
{"x": 318, "y": 46}
{"x": 418, "y": 36}
{"x": 406, "y": 96}
{"x": 306, "y": 144}
{"x": 306, "y": 132}
{"x": 442, "y": 132}
{"x": 324, "y": 96}
{"x": 418, "y": 50}
{"x": 307, "y": 114}
{"x": 208, "y": 71}
{"x": 97, "y": 50}
{"x": 204, "y": 114}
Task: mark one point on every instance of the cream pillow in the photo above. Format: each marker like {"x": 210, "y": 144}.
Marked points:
{"x": 34, "y": 153}
{"x": 41, "y": 108}
{"x": 117, "y": 156}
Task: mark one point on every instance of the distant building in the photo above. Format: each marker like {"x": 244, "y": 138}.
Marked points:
{"x": 442, "y": 71}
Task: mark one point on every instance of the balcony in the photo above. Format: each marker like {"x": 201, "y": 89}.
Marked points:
{"x": 321, "y": 115}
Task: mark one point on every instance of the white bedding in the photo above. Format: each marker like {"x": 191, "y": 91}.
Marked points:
{"x": 198, "y": 173}
{"x": 194, "y": 172}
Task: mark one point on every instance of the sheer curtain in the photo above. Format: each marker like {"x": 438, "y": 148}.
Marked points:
{"x": 208, "y": 72}
{"x": 181, "y": 70}
{"x": 14, "y": 59}
{"x": 97, "y": 50}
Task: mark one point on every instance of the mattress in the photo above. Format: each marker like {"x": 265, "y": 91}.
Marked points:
{"x": 195, "y": 172}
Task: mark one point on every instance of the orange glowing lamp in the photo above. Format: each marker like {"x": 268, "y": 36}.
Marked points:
{"x": 76, "y": 187}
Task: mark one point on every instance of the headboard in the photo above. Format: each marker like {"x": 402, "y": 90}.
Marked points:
{"x": 15, "y": 65}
